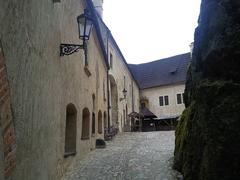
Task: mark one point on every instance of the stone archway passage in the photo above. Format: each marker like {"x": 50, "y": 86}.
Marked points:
{"x": 70, "y": 130}
{"x": 114, "y": 101}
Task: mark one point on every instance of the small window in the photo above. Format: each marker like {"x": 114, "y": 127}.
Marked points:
{"x": 93, "y": 123}
{"x": 161, "y": 100}
{"x": 166, "y": 100}
{"x": 104, "y": 91}
{"x": 179, "y": 98}
{"x": 105, "y": 120}
{"x": 111, "y": 60}
{"x": 85, "y": 123}
{"x": 100, "y": 122}
{"x": 71, "y": 130}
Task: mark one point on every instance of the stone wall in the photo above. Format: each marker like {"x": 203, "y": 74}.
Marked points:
{"x": 42, "y": 83}
{"x": 120, "y": 70}
{"x": 7, "y": 135}
{"x": 208, "y": 135}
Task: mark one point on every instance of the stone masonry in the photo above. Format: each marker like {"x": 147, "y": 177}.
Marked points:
{"x": 6, "y": 123}
{"x": 130, "y": 156}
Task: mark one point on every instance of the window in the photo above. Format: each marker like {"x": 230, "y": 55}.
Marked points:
{"x": 85, "y": 123}
{"x": 93, "y": 101}
{"x": 111, "y": 61}
{"x": 105, "y": 120}
{"x": 180, "y": 98}
{"x": 104, "y": 91}
{"x": 163, "y": 100}
{"x": 166, "y": 100}
{"x": 100, "y": 122}
{"x": 70, "y": 131}
{"x": 93, "y": 123}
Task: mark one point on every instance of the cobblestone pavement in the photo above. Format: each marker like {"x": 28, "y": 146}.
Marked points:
{"x": 130, "y": 156}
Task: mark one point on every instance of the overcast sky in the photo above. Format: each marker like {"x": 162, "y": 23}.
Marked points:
{"x": 147, "y": 30}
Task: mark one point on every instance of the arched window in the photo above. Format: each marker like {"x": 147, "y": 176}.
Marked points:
{"x": 105, "y": 120}
{"x": 100, "y": 122}
{"x": 85, "y": 123}
{"x": 71, "y": 130}
{"x": 93, "y": 123}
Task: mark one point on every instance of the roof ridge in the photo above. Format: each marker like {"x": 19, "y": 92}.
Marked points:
{"x": 163, "y": 59}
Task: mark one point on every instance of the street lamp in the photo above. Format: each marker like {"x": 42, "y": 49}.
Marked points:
{"x": 85, "y": 24}
{"x": 124, "y": 94}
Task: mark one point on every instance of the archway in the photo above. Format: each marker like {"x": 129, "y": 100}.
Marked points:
{"x": 105, "y": 120}
{"x": 100, "y": 125}
{"x": 85, "y": 124}
{"x": 70, "y": 130}
{"x": 93, "y": 123}
{"x": 113, "y": 101}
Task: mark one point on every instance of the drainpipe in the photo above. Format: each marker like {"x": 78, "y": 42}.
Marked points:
{"x": 132, "y": 98}
{"x": 108, "y": 90}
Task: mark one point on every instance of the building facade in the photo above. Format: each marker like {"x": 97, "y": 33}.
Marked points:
{"x": 162, "y": 85}
{"x": 52, "y": 107}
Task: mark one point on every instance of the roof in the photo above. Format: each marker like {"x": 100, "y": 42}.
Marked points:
{"x": 101, "y": 39}
{"x": 135, "y": 114}
{"x": 147, "y": 113}
{"x": 172, "y": 70}
{"x": 105, "y": 34}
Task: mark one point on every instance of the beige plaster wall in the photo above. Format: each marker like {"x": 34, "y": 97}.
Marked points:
{"x": 42, "y": 83}
{"x": 118, "y": 71}
{"x": 152, "y": 95}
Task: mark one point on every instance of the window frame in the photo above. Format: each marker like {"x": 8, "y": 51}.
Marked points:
{"x": 179, "y": 98}
{"x": 164, "y": 100}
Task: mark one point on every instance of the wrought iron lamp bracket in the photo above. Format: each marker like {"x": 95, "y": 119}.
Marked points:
{"x": 68, "y": 49}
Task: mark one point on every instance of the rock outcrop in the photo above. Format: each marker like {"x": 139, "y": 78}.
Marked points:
{"x": 208, "y": 134}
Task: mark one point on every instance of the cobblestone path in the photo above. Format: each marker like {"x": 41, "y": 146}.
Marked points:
{"x": 130, "y": 156}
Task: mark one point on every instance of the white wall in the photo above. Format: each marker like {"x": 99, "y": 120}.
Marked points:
{"x": 152, "y": 94}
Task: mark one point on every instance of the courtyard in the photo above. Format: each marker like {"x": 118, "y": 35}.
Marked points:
{"x": 129, "y": 156}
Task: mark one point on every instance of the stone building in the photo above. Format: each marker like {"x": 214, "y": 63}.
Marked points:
{"x": 162, "y": 84}
{"x": 55, "y": 107}
{"x": 52, "y": 107}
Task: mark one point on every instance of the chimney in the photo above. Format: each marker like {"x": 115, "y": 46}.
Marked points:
{"x": 99, "y": 6}
{"x": 191, "y": 48}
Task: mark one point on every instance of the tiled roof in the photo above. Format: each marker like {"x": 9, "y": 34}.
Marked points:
{"x": 166, "y": 71}
{"x": 147, "y": 113}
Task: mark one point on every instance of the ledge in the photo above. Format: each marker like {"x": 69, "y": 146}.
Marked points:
{"x": 67, "y": 154}
{"x": 85, "y": 138}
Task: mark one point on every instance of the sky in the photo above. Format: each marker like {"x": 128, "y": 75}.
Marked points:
{"x": 148, "y": 30}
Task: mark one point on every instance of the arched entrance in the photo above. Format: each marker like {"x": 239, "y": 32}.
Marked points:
{"x": 105, "y": 120}
{"x": 100, "y": 125}
{"x": 113, "y": 102}
{"x": 85, "y": 124}
{"x": 71, "y": 130}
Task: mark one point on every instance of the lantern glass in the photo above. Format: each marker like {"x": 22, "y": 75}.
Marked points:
{"x": 84, "y": 26}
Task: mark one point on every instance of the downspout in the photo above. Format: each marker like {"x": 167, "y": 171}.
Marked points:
{"x": 132, "y": 98}
{"x": 108, "y": 90}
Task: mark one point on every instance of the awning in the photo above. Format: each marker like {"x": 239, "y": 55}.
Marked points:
{"x": 147, "y": 113}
